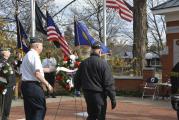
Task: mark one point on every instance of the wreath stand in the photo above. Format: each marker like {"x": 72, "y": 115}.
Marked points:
{"x": 69, "y": 72}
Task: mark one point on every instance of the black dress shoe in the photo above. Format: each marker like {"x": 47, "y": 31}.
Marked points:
{"x": 47, "y": 96}
{"x": 53, "y": 96}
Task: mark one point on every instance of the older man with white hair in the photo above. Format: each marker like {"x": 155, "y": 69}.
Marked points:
{"x": 32, "y": 79}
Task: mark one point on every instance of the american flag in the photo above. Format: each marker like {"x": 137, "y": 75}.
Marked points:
{"x": 121, "y": 7}
{"x": 54, "y": 34}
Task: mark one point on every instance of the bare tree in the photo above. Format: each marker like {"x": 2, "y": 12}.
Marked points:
{"x": 92, "y": 15}
{"x": 140, "y": 32}
{"x": 157, "y": 28}
{"x": 21, "y": 7}
{"x": 69, "y": 36}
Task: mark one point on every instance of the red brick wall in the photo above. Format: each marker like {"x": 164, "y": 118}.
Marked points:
{"x": 133, "y": 83}
{"x": 172, "y": 23}
{"x": 128, "y": 84}
{"x": 167, "y": 60}
{"x": 148, "y": 72}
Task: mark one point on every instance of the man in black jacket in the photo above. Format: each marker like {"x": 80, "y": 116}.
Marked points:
{"x": 174, "y": 77}
{"x": 95, "y": 78}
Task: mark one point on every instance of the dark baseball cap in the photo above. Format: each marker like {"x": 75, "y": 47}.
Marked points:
{"x": 35, "y": 40}
{"x": 5, "y": 49}
{"x": 96, "y": 45}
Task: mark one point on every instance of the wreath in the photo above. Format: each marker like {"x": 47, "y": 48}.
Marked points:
{"x": 66, "y": 71}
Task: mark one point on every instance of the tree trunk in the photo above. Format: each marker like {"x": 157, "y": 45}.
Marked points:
{"x": 140, "y": 34}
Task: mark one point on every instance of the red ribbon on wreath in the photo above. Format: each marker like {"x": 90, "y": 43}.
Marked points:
{"x": 64, "y": 78}
{"x": 58, "y": 77}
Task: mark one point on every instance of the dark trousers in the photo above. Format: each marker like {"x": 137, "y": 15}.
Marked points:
{"x": 50, "y": 77}
{"x": 7, "y": 103}
{"x": 175, "y": 105}
{"x": 51, "y": 80}
{"x": 34, "y": 101}
{"x": 96, "y": 105}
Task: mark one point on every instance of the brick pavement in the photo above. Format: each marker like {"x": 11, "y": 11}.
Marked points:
{"x": 71, "y": 108}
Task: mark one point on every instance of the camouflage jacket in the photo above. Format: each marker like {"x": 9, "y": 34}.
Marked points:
{"x": 7, "y": 72}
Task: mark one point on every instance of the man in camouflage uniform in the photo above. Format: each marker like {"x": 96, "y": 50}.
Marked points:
{"x": 6, "y": 72}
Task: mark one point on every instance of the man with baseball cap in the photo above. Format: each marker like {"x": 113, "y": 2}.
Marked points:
{"x": 95, "y": 78}
{"x": 32, "y": 78}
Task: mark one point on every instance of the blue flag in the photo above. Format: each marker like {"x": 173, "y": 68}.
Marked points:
{"x": 21, "y": 37}
{"x": 82, "y": 37}
{"x": 105, "y": 50}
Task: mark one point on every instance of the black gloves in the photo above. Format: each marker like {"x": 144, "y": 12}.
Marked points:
{"x": 113, "y": 104}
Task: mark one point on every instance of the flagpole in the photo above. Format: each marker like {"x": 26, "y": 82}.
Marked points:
{"x": 33, "y": 28}
{"x": 104, "y": 22}
{"x": 17, "y": 22}
{"x": 75, "y": 28}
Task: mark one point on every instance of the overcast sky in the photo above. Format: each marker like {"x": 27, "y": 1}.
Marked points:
{"x": 62, "y": 1}
{"x": 66, "y": 14}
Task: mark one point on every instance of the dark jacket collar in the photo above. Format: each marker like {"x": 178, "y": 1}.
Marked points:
{"x": 94, "y": 54}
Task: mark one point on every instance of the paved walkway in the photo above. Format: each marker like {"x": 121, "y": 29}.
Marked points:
{"x": 128, "y": 108}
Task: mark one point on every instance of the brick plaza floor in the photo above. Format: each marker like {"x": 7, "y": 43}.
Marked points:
{"x": 71, "y": 108}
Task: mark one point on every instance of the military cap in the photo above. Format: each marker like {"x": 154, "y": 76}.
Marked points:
{"x": 5, "y": 49}
{"x": 96, "y": 45}
{"x": 35, "y": 40}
